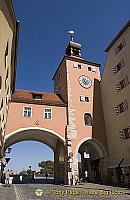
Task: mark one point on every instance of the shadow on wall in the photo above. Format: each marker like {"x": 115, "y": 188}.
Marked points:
{"x": 98, "y": 132}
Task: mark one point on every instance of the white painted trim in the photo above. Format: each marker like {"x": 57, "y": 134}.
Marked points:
{"x": 44, "y": 114}
{"x": 80, "y": 142}
{"x": 33, "y": 128}
{"x": 27, "y": 107}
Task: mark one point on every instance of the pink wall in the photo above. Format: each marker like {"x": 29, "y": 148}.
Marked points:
{"x": 16, "y": 120}
{"x": 81, "y": 107}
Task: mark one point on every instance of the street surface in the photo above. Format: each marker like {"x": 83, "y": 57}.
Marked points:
{"x": 87, "y": 191}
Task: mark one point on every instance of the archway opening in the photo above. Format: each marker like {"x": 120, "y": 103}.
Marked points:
{"x": 53, "y": 142}
{"x": 90, "y": 157}
{"x": 31, "y": 160}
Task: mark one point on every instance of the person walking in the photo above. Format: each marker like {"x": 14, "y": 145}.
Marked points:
{"x": 7, "y": 175}
{"x": 10, "y": 176}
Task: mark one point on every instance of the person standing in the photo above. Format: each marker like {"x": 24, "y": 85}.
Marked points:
{"x": 86, "y": 176}
{"x": 21, "y": 178}
{"x": 33, "y": 176}
{"x": 46, "y": 175}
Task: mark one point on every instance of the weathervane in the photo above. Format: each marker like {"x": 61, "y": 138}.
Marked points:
{"x": 72, "y": 35}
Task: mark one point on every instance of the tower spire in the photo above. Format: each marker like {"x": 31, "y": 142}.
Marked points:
{"x": 73, "y": 48}
{"x": 72, "y": 35}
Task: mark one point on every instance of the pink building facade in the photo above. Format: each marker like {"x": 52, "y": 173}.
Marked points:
{"x": 70, "y": 120}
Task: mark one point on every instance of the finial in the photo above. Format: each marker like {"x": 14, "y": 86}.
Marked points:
{"x": 72, "y": 35}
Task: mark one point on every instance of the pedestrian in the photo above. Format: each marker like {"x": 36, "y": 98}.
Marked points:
{"x": 21, "y": 178}
{"x": 33, "y": 176}
{"x": 86, "y": 176}
{"x": 76, "y": 179}
{"x": 7, "y": 175}
{"x": 46, "y": 175}
{"x": 10, "y": 176}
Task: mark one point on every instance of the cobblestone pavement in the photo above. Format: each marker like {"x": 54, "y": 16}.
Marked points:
{"x": 86, "y": 191}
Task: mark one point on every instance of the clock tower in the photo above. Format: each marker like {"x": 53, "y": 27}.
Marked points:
{"x": 75, "y": 82}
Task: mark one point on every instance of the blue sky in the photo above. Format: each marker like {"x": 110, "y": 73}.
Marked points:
{"x": 44, "y": 36}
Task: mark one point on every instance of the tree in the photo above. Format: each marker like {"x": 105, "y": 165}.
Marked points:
{"x": 47, "y": 167}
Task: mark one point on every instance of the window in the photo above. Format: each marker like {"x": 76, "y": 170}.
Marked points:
{"x": 84, "y": 98}
{"x": 1, "y": 104}
{"x": 89, "y": 68}
{"x": 76, "y": 65}
{"x": 27, "y": 112}
{"x": 37, "y": 96}
{"x": 120, "y": 47}
{"x": 47, "y": 113}
{"x": 7, "y": 75}
{"x": 92, "y": 69}
{"x": 6, "y": 54}
{"x": 79, "y": 66}
{"x": 76, "y": 52}
{"x": 125, "y": 133}
{"x": 3, "y": 118}
{"x": 122, "y": 84}
{"x": 121, "y": 107}
{"x": 88, "y": 119}
{"x": 6, "y": 100}
{"x": 118, "y": 67}
{"x": 5, "y": 84}
{"x": 8, "y": 91}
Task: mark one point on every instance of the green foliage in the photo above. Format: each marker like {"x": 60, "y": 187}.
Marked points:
{"x": 24, "y": 172}
{"x": 47, "y": 167}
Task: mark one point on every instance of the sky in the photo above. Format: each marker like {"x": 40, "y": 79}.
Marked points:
{"x": 44, "y": 27}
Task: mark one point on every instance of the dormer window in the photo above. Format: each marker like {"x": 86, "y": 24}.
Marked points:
{"x": 37, "y": 96}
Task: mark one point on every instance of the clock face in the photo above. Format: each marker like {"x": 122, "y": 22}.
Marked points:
{"x": 85, "y": 81}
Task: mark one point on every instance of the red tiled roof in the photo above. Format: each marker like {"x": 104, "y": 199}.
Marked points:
{"x": 26, "y": 96}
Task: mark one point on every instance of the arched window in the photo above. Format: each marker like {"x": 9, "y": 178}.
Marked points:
{"x": 88, "y": 119}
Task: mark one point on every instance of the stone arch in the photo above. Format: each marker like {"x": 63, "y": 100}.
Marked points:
{"x": 96, "y": 160}
{"x": 100, "y": 147}
{"x": 46, "y": 136}
{"x": 52, "y": 139}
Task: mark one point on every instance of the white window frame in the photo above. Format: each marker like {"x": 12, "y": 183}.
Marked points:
{"x": 76, "y": 65}
{"x": 23, "y": 111}
{"x": 44, "y": 113}
{"x": 83, "y": 97}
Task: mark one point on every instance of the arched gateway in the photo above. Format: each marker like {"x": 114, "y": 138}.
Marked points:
{"x": 70, "y": 120}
